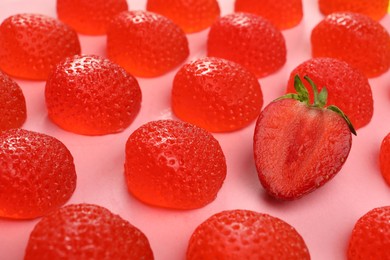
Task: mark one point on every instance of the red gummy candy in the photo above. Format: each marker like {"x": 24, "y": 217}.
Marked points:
{"x": 37, "y": 174}
{"x": 191, "y": 16}
{"x": 284, "y": 14}
{"x": 12, "y": 104}
{"x": 245, "y": 234}
{"x": 91, "y": 95}
{"x": 249, "y": 40}
{"x": 348, "y": 88}
{"x": 174, "y": 164}
{"x": 146, "y": 44}
{"x": 355, "y": 38}
{"x": 86, "y": 231}
{"x": 384, "y": 158}
{"x": 32, "y": 44}
{"x": 89, "y": 17}
{"x": 216, "y": 94}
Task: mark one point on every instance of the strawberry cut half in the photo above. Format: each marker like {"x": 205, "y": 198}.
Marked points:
{"x": 298, "y": 146}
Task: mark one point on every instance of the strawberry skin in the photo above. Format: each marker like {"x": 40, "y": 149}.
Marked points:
{"x": 298, "y": 147}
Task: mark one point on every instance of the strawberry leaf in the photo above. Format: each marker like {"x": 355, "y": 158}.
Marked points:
{"x": 341, "y": 113}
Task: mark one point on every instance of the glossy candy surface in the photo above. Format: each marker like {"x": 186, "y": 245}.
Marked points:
{"x": 91, "y": 95}
{"x": 32, "y": 44}
{"x": 216, "y": 94}
{"x": 354, "y": 38}
{"x": 86, "y": 231}
{"x": 146, "y": 44}
{"x": 384, "y": 158}
{"x": 249, "y": 40}
{"x": 37, "y": 174}
{"x": 162, "y": 170}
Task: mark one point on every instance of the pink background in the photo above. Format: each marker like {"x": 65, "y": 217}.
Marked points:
{"x": 324, "y": 218}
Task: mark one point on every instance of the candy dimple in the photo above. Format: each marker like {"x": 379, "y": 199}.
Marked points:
{"x": 91, "y": 95}
{"x": 284, "y": 14}
{"x": 31, "y": 45}
{"x": 249, "y": 40}
{"x": 354, "y": 38}
{"x": 191, "y": 16}
{"x": 174, "y": 164}
{"x": 89, "y": 17}
{"x": 216, "y": 94}
{"x": 245, "y": 234}
{"x": 146, "y": 44}
{"x": 37, "y": 174}
{"x": 12, "y": 104}
{"x": 86, "y": 231}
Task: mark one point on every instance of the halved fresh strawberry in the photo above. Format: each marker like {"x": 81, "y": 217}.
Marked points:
{"x": 298, "y": 146}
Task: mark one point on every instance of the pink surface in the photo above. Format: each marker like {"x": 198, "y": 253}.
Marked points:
{"x": 324, "y": 218}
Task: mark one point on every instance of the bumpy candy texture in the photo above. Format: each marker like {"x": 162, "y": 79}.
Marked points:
{"x": 12, "y": 104}
{"x": 37, "y": 174}
{"x": 32, "y": 44}
{"x": 244, "y": 234}
{"x": 284, "y": 14}
{"x": 290, "y": 142}
{"x": 89, "y": 17}
{"x": 91, "y": 95}
{"x": 174, "y": 164}
{"x": 370, "y": 238}
{"x": 384, "y": 158}
{"x": 354, "y": 38}
{"x": 376, "y": 9}
{"x": 86, "y": 231}
{"x": 249, "y": 40}
{"x": 348, "y": 88}
{"x": 146, "y": 44}
{"x": 190, "y": 15}
{"x": 216, "y": 94}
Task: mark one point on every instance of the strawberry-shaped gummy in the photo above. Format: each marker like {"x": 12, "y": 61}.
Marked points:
{"x": 174, "y": 164}
{"x": 370, "y": 238}
{"x": 284, "y": 14}
{"x": 92, "y": 95}
{"x": 190, "y": 15}
{"x": 376, "y": 9}
{"x": 216, "y": 94}
{"x": 245, "y": 234}
{"x": 348, "y": 88}
{"x": 354, "y": 38}
{"x": 37, "y": 174}
{"x": 86, "y": 231}
{"x": 32, "y": 44}
{"x": 384, "y": 158}
{"x": 146, "y": 44}
{"x": 89, "y": 17}
{"x": 12, "y": 104}
{"x": 299, "y": 146}
{"x": 249, "y": 40}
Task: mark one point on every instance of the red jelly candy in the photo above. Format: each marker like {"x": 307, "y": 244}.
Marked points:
{"x": 245, "y": 234}
{"x": 146, "y": 44}
{"x": 284, "y": 14}
{"x": 32, "y": 44}
{"x": 12, "y": 104}
{"x": 384, "y": 158}
{"x": 37, "y": 174}
{"x": 354, "y": 38}
{"x": 174, "y": 164}
{"x": 216, "y": 94}
{"x": 91, "y": 95}
{"x": 348, "y": 88}
{"x": 89, "y": 17}
{"x": 370, "y": 238}
{"x": 191, "y": 16}
{"x": 376, "y": 9}
{"x": 249, "y": 40}
{"x": 86, "y": 231}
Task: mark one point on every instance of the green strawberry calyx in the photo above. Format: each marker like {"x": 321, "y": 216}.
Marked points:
{"x": 320, "y": 98}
